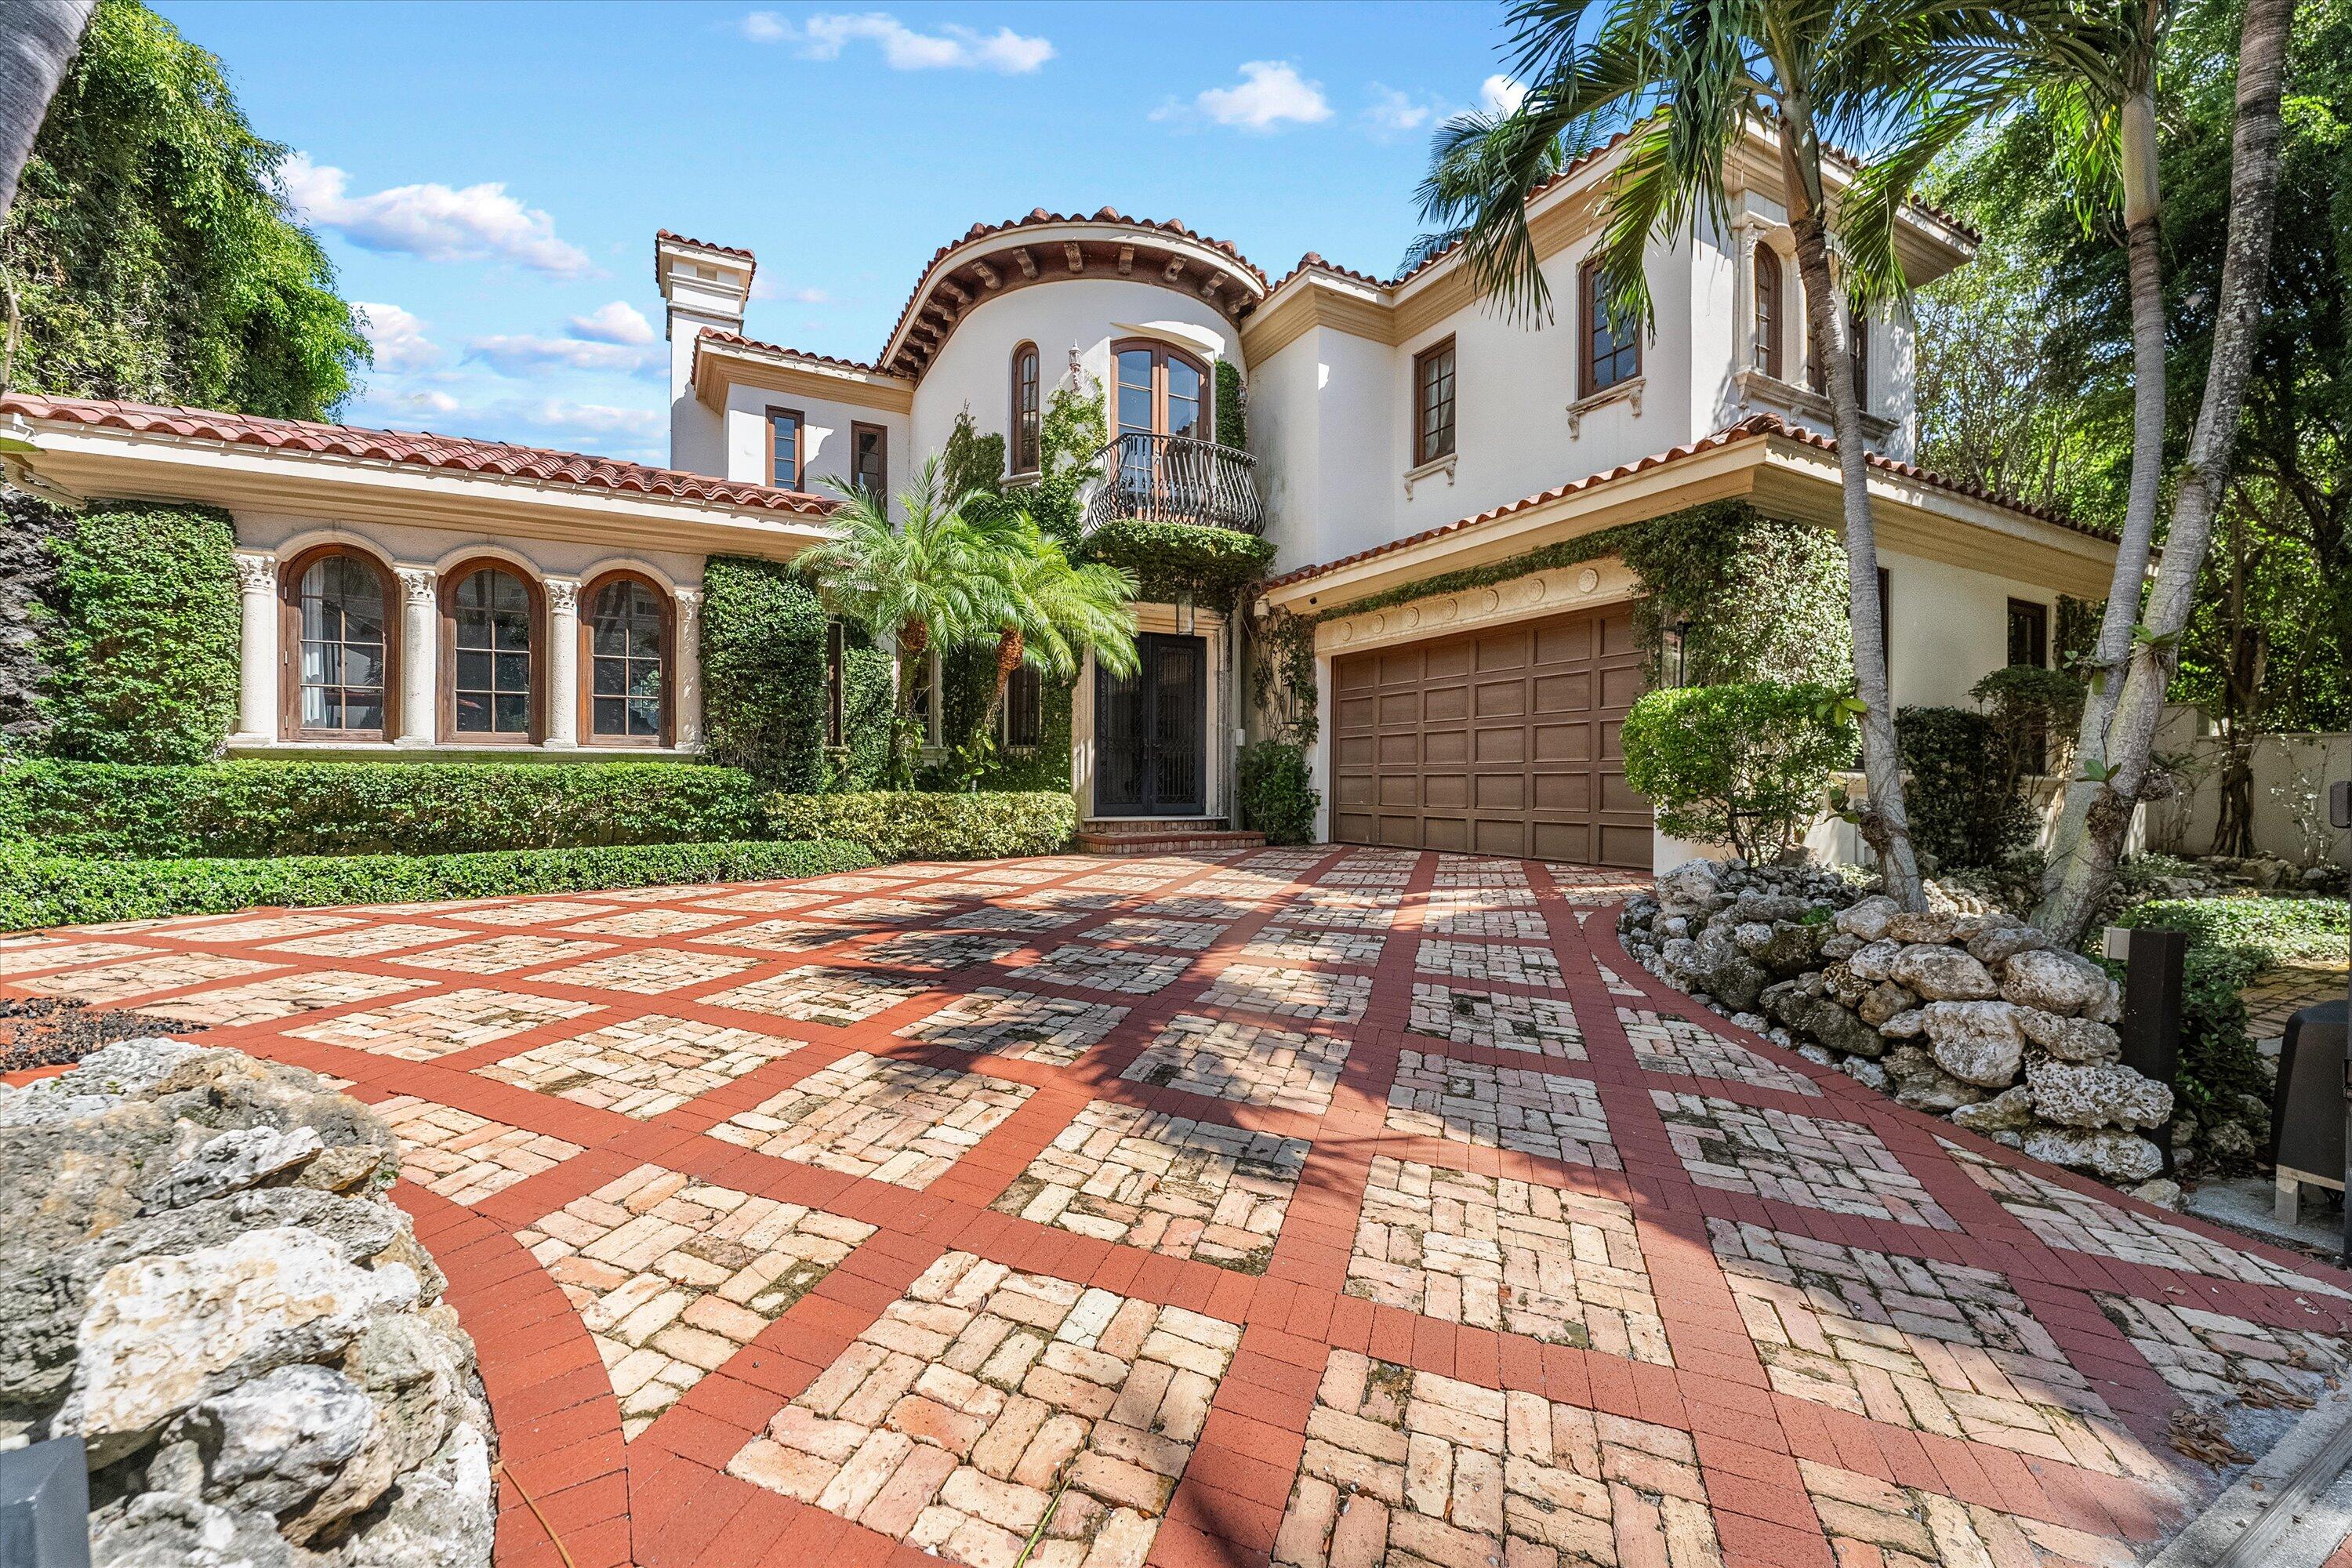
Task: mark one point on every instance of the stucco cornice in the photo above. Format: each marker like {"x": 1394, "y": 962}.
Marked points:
{"x": 723, "y": 359}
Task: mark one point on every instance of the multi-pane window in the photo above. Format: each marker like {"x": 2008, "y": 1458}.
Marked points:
{"x": 1613, "y": 348}
{"x": 869, "y": 460}
{"x": 836, "y": 657}
{"x": 1026, "y": 409}
{"x": 490, "y": 618}
{"x": 784, "y": 447}
{"x": 1433, "y": 403}
{"x": 1857, "y": 332}
{"x": 1769, "y": 315}
{"x": 343, "y": 617}
{"x": 1025, "y": 704}
{"x": 627, "y": 630}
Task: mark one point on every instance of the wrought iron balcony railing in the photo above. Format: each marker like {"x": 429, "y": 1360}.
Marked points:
{"x": 1175, "y": 479}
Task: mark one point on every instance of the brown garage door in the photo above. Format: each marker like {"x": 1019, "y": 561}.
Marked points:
{"x": 1500, "y": 743}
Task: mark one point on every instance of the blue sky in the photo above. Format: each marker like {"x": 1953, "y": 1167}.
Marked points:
{"x": 490, "y": 177}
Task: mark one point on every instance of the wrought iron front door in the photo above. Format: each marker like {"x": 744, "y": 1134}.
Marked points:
{"x": 1152, "y": 731}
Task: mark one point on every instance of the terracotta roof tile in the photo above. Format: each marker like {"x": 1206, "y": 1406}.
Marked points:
{"x": 422, "y": 448}
{"x": 662, "y": 233}
{"x": 737, "y": 340}
{"x": 1754, "y": 426}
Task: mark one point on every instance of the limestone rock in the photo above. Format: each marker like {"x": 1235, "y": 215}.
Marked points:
{"x": 2107, "y": 1152}
{"x": 1907, "y": 1025}
{"x": 1978, "y": 1042}
{"x": 441, "y": 1517}
{"x": 2070, "y": 1039}
{"x": 276, "y": 1443}
{"x": 1934, "y": 929}
{"x": 1884, "y": 1001}
{"x": 1867, "y": 919}
{"x": 1942, "y": 973}
{"x": 1991, "y": 943}
{"x": 2065, "y": 984}
{"x": 240, "y": 1158}
{"x": 1922, "y": 1085}
{"x": 1840, "y": 981}
{"x": 1840, "y": 946}
{"x": 2162, "y": 1193}
{"x": 1867, "y": 1073}
{"x": 1828, "y": 1023}
{"x": 1688, "y": 889}
{"x": 1793, "y": 945}
{"x": 1875, "y": 961}
{"x": 2009, "y": 1111}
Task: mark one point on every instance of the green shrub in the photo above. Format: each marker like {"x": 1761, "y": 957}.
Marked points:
{"x": 1742, "y": 766}
{"x": 2276, "y": 931}
{"x": 48, "y": 891}
{"x": 242, "y": 809}
{"x": 142, "y": 654}
{"x": 1169, "y": 558}
{"x": 1233, "y": 406}
{"x": 763, "y": 672}
{"x": 906, "y": 825}
{"x": 1277, "y": 798}
{"x": 864, "y": 755}
{"x": 1765, "y": 598}
{"x": 1962, "y": 799}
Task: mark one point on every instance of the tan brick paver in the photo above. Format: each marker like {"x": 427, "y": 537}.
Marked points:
{"x": 1815, "y": 1163}
{"x": 435, "y": 1025}
{"x": 994, "y": 1022}
{"x": 890, "y": 1121}
{"x": 641, "y": 1067}
{"x": 1252, "y": 1063}
{"x": 1499, "y": 1020}
{"x": 464, "y": 1157}
{"x": 1558, "y": 1117}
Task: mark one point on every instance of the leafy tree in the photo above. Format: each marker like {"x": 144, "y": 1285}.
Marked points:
{"x": 1693, "y": 78}
{"x": 152, "y": 251}
{"x": 1053, "y": 613}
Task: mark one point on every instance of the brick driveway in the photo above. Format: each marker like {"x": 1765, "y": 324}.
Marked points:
{"x": 1321, "y": 1205}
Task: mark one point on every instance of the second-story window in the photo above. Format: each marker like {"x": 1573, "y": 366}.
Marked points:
{"x": 1161, "y": 392}
{"x": 1769, "y": 320}
{"x": 1612, "y": 351}
{"x": 1433, "y": 403}
{"x": 785, "y": 448}
{"x": 1857, "y": 339}
{"x": 1027, "y": 409}
{"x": 869, "y": 460}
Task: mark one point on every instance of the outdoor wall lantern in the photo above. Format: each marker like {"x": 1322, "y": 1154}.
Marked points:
{"x": 1184, "y": 613}
{"x": 1681, "y": 636}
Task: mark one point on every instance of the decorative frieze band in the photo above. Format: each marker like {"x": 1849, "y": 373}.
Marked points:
{"x": 1554, "y": 591}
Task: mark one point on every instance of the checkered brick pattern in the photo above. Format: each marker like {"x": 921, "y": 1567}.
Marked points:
{"x": 1337, "y": 1206}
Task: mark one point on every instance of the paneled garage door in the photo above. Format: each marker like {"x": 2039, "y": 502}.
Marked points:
{"x": 1499, "y": 742}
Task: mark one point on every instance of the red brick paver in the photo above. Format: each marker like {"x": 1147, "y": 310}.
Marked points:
{"x": 1320, "y": 1206}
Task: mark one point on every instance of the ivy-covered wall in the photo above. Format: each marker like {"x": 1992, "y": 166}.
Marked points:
{"x": 140, "y": 659}
{"x": 863, "y": 757}
{"x": 763, "y": 672}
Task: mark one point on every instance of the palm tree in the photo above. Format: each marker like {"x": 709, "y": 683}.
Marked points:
{"x": 930, "y": 580}
{"x": 37, "y": 40}
{"x": 1055, "y": 612}
{"x": 1693, "y": 78}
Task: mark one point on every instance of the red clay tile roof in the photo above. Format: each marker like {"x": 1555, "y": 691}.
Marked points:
{"x": 737, "y": 340}
{"x": 663, "y": 234}
{"x": 1039, "y": 217}
{"x": 1754, "y": 426}
{"x": 461, "y": 453}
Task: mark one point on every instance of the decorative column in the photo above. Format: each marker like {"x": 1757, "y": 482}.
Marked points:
{"x": 420, "y": 652}
{"x": 562, "y": 725}
{"x": 256, "y": 649}
{"x": 688, "y": 662}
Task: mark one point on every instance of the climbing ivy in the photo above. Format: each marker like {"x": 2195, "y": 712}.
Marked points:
{"x": 1282, "y": 676}
{"x": 1233, "y": 406}
{"x": 1212, "y": 565}
{"x": 1069, "y": 433}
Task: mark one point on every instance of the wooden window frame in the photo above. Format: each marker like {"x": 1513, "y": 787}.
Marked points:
{"x": 1857, "y": 339}
{"x": 1023, "y": 676}
{"x": 1029, "y": 424}
{"x": 447, "y": 698}
{"x": 799, "y": 447}
{"x": 289, "y": 647}
{"x": 881, "y": 434}
{"x": 837, "y": 660}
{"x": 1770, "y": 315}
{"x": 1422, "y": 455}
{"x": 587, "y": 663}
{"x": 1162, "y": 352}
{"x": 1592, "y": 311}
{"x": 2037, "y": 614}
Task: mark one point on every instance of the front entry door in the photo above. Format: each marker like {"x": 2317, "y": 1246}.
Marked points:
{"x": 1152, "y": 731}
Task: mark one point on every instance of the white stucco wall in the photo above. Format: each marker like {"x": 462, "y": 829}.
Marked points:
{"x": 1947, "y": 627}
{"x": 974, "y": 368}
{"x": 824, "y": 433}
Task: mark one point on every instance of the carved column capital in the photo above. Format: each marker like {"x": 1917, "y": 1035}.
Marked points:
{"x": 257, "y": 573}
{"x": 417, "y": 583}
{"x": 563, "y": 593}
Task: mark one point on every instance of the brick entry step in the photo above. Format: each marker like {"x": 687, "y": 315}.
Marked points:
{"x": 1163, "y": 835}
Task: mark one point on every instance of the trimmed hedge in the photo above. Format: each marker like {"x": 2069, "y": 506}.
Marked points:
{"x": 1277, "y": 798}
{"x": 243, "y": 809}
{"x": 763, "y": 658}
{"x": 912, "y": 827}
{"x": 36, "y": 891}
{"x": 1743, "y": 765}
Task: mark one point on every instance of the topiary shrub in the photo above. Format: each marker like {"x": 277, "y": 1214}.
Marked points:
{"x": 141, "y": 659}
{"x": 263, "y": 808}
{"x": 1964, "y": 808}
{"x": 1743, "y": 765}
{"x": 1276, "y": 797}
{"x": 38, "y": 890}
{"x": 763, "y": 672}
{"x": 904, "y": 826}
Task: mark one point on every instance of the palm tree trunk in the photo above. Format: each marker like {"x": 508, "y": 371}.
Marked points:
{"x": 913, "y": 641}
{"x": 2143, "y": 235}
{"x": 1009, "y": 647}
{"x": 1884, "y": 825}
{"x": 2088, "y": 869}
{"x": 38, "y": 39}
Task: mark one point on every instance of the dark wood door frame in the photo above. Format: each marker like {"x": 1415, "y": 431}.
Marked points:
{"x": 1152, "y": 731}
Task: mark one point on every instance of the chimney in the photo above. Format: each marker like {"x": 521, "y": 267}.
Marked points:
{"x": 702, "y": 286}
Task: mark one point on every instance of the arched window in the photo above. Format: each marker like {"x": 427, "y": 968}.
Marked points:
{"x": 1027, "y": 410}
{"x": 628, "y": 631}
{"x": 1612, "y": 351}
{"x": 337, "y": 618}
{"x": 1162, "y": 391}
{"x": 1769, "y": 313}
{"x": 489, "y": 638}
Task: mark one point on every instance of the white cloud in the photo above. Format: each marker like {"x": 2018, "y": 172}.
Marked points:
{"x": 824, "y": 36}
{"x": 587, "y": 418}
{"x": 431, "y": 221}
{"x": 432, "y": 400}
{"x": 1499, "y": 94}
{"x": 1393, "y": 113}
{"x": 525, "y": 354}
{"x": 397, "y": 337}
{"x": 1270, "y": 93}
{"x": 764, "y": 286}
{"x": 618, "y": 323}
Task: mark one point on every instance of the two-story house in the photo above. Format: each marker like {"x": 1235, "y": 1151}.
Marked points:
{"x": 410, "y": 594}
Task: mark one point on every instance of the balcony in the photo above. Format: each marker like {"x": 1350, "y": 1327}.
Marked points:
{"x": 1174, "y": 478}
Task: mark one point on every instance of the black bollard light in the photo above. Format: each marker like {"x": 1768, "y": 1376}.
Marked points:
{"x": 2153, "y": 959}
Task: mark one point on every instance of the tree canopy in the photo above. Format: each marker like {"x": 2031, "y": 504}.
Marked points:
{"x": 153, "y": 253}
